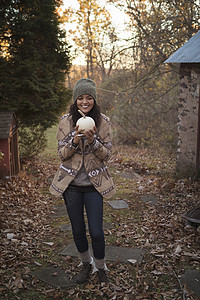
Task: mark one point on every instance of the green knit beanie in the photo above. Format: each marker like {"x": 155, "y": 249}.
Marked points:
{"x": 84, "y": 86}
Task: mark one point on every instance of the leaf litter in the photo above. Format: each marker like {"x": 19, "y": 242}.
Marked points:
{"x": 29, "y": 240}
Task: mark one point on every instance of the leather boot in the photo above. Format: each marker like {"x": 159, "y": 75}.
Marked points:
{"x": 102, "y": 276}
{"x": 84, "y": 273}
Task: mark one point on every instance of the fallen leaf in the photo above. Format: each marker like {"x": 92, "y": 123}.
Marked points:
{"x": 132, "y": 261}
{"x": 156, "y": 272}
{"x": 48, "y": 243}
{"x": 178, "y": 250}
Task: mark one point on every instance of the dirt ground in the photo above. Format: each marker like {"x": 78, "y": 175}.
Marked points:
{"x": 31, "y": 238}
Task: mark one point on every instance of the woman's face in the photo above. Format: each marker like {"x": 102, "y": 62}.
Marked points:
{"x": 85, "y": 103}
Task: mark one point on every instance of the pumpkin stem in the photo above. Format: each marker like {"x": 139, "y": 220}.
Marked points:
{"x": 82, "y": 114}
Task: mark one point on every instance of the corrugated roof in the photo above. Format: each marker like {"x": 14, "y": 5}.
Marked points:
{"x": 188, "y": 53}
{"x": 5, "y": 123}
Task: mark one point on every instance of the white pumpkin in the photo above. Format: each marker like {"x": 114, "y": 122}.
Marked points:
{"x": 85, "y": 123}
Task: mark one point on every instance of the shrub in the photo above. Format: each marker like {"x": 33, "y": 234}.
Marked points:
{"x": 32, "y": 141}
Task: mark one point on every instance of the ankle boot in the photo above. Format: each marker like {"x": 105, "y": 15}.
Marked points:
{"x": 102, "y": 276}
{"x": 84, "y": 273}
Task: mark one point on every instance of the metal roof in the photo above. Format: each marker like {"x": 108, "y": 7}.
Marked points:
{"x": 188, "y": 53}
{"x": 5, "y": 123}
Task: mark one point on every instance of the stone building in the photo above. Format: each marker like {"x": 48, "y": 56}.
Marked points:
{"x": 188, "y": 59}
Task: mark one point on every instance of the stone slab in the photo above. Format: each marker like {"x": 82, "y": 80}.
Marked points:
{"x": 130, "y": 175}
{"x": 191, "y": 282}
{"x": 126, "y": 175}
{"x": 55, "y": 277}
{"x": 118, "y": 204}
{"x": 59, "y": 211}
{"x": 65, "y": 227}
{"x": 150, "y": 199}
{"x": 121, "y": 254}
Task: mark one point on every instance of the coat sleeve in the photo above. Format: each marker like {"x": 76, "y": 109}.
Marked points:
{"x": 102, "y": 144}
{"x": 65, "y": 136}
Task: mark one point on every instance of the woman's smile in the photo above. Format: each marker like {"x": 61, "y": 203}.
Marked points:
{"x": 85, "y": 103}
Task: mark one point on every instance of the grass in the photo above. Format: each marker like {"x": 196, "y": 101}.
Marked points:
{"x": 51, "y": 148}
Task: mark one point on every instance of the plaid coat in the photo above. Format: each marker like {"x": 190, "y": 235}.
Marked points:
{"x": 95, "y": 156}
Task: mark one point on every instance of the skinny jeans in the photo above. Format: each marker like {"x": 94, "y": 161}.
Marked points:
{"x": 76, "y": 199}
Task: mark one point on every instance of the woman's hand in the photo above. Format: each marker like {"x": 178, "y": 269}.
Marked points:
{"x": 90, "y": 135}
{"x": 78, "y": 135}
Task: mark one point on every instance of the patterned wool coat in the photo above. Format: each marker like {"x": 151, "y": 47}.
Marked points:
{"x": 94, "y": 155}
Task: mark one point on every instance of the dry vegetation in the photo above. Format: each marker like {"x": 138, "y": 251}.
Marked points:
{"x": 170, "y": 249}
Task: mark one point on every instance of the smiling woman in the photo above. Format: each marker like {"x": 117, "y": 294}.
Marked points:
{"x": 83, "y": 177}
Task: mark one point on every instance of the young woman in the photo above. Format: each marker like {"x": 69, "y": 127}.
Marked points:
{"x": 83, "y": 177}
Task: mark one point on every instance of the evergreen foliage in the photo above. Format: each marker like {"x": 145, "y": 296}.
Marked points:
{"x": 33, "y": 63}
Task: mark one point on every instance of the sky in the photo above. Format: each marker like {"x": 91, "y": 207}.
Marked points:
{"x": 118, "y": 16}
{"x": 119, "y": 19}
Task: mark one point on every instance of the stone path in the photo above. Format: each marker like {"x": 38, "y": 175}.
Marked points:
{"x": 116, "y": 254}
{"x": 65, "y": 227}
{"x": 191, "y": 282}
{"x": 58, "y": 278}
{"x": 55, "y": 277}
{"x": 118, "y": 204}
{"x": 130, "y": 175}
{"x": 59, "y": 211}
{"x": 150, "y": 199}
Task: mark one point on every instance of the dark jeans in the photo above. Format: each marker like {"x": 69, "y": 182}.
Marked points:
{"x": 76, "y": 199}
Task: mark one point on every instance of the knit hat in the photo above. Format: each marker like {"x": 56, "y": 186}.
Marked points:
{"x": 84, "y": 86}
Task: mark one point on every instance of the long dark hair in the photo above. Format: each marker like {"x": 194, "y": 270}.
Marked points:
{"x": 94, "y": 113}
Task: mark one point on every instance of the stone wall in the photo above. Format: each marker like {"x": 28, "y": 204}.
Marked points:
{"x": 188, "y": 120}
